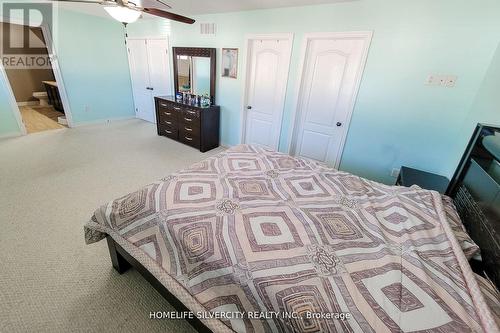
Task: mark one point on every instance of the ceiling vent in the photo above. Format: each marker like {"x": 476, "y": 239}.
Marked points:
{"x": 207, "y": 28}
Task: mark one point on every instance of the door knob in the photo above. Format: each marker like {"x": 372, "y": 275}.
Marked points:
{"x": 149, "y": 88}
{"x": 339, "y": 124}
{"x": 249, "y": 107}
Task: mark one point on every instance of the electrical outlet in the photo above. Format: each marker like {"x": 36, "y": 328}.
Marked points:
{"x": 87, "y": 108}
{"x": 441, "y": 80}
{"x": 395, "y": 172}
{"x": 451, "y": 81}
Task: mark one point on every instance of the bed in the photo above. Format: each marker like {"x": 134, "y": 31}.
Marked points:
{"x": 252, "y": 240}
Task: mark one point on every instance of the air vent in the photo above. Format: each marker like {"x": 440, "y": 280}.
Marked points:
{"x": 207, "y": 28}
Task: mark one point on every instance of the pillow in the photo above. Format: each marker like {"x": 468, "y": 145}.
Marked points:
{"x": 466, "y": 243}
{"x": 491, "y": 296}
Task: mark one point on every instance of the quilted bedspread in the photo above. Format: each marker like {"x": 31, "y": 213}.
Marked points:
{"x": 255, "y": 231}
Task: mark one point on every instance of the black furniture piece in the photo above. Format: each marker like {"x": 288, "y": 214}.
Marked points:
{"x": 195, "y": 126}
{"x": 122, "y": 261}
{"x": 429, "y": 181}
{"x": 53, "y": 95}
{"x": 475, "y": 189}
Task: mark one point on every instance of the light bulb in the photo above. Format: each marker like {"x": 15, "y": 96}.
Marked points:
{"x": 123, "y": 14}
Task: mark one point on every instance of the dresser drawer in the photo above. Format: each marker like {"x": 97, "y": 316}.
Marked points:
{"x": 169, "y": 131}
{"x": 189, "y": 129}
{"x": 189, "y": 139}
{"x": 190, "y": 117}
{"x": 167, "y": 113}
{"x": 168, "y": 122}
{"x": 168, "y": 105}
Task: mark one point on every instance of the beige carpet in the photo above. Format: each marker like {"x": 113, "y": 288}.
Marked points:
{"x": 50, "y": 183}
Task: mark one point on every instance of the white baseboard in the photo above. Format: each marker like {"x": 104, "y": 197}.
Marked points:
{"x": 29, "y": 103}
{"x": 10, "y": 135}
{"x": 102, "y": 121}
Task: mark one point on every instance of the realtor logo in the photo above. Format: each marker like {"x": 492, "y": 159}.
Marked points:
{"x": 26, "y": 30}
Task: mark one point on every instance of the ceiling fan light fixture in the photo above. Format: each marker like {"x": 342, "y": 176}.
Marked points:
{"x": 123, "y": 14}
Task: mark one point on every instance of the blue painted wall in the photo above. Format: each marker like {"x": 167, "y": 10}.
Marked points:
{"x": 149, "y": 28}
{"x": 397, "y": 120}
{"x": 485, "y": 108}
{"x": 8, "y": 124}
{"x": 94, "y": 66}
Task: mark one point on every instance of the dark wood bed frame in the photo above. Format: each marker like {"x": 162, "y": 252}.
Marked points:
{"x": 122, "y": 261}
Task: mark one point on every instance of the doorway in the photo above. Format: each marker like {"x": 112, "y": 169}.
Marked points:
{"x": 149, "y": 61}
{"x": 332, "y": 67}
{"x": 267, "y": 68}
{"x": 36, "y": 92}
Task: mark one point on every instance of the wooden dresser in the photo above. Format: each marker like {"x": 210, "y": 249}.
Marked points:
{"x": 195, "y": 126}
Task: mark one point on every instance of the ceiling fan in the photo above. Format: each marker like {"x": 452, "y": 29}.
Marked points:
{"x": 128, "y": 11}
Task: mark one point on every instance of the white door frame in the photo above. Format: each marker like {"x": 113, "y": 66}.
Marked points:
{"x": 367, "y": 36}
{"x": 248, "y": 39}
{"x": 55, "y": 69}
{"x": 169, "y": 54}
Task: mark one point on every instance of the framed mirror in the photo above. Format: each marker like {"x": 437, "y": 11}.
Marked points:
{"x": 194, "y": 71}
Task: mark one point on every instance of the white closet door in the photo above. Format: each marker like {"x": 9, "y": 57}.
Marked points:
{"x": 265, "y": 90}
{"x": 150, "y": 74}
{"x": 159, "y": 67}
{"x": 332, "y": 70}
{"x": 139, "y": 74}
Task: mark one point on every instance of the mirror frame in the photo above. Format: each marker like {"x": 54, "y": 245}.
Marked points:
{"x": 196, "y": 52}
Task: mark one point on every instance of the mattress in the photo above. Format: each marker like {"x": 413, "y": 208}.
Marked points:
{"x": 252, "y": 240}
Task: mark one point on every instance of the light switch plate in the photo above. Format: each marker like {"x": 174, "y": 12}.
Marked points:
{"x": 441, "y": 80}
{"x": 432, "y": 80}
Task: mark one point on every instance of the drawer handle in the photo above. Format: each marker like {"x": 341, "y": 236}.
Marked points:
{"x": 188, "y": 129}
{"x": 168, "y": 122}
{"x": 168, "y": 132}
{"x": 163, "y": 104}
{"x": 188, "y": 138}
{"x": 191, "y": 112}
{"x": 188, "y": 119}
{"x": 167, "y": 113}
{"x": 176, "y": 108}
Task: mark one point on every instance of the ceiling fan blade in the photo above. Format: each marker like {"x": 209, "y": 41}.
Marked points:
{"x": 167, "y": 15}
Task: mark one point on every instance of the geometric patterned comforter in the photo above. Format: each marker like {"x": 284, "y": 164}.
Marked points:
{"x": 252, "y": 230}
